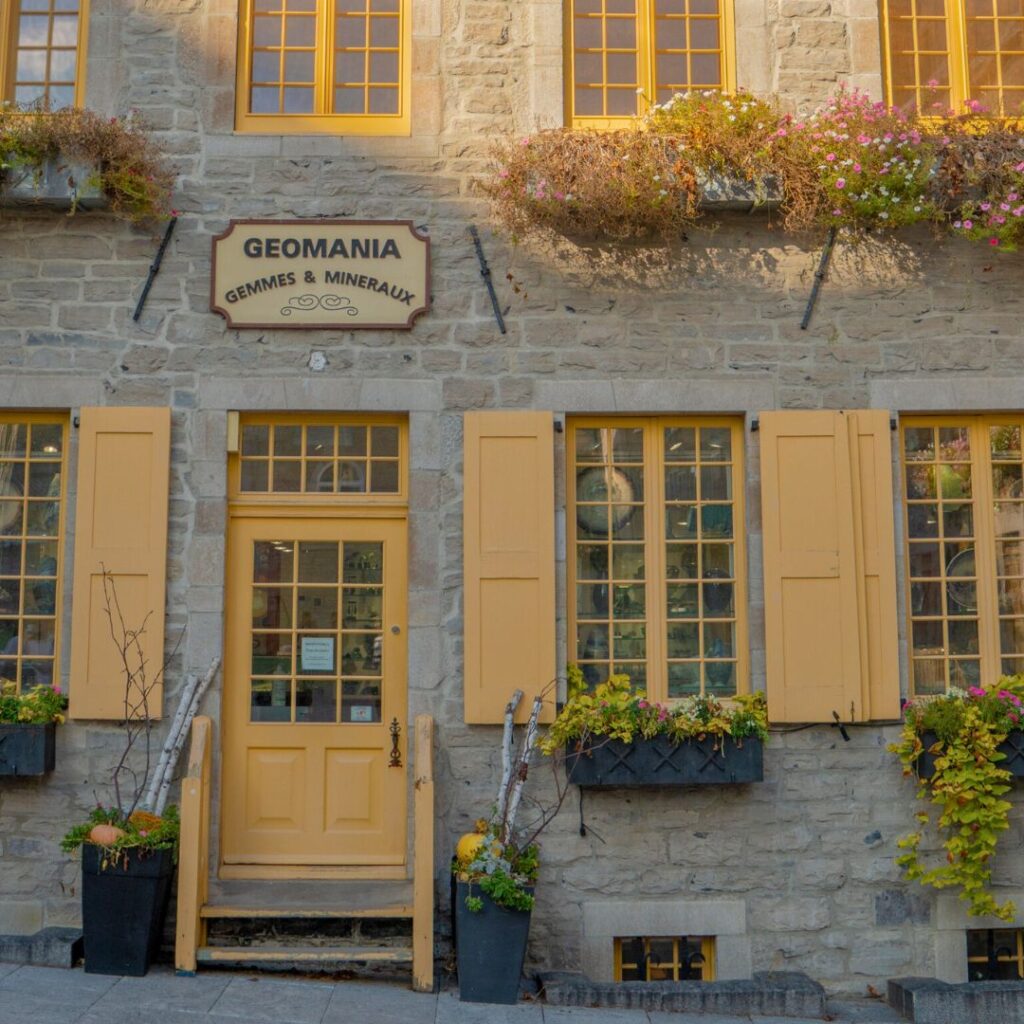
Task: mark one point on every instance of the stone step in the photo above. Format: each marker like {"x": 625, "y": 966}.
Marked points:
{"x": 322, "y": 956}
{"x": 310, "y": 899}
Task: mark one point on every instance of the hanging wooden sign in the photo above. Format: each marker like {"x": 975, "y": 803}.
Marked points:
{"x": 320, "y": 274}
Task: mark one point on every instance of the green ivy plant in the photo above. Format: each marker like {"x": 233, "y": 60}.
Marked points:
{"x": 615, "y": 711}
{"x": 503, "y": 871}
{"x": 967, "y": 787}
{"x": 39, "y": 706}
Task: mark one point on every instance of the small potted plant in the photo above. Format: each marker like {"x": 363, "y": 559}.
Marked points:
{"x": 964, "y": 747}
{"x": 495, "y": 868}
{"x": 28, "y": 728}
{"x": 615, "y": 736}
{"x": 128, "y": 852}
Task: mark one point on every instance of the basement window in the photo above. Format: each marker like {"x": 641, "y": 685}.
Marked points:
{"x": 995, "y": 954}
{"x": 644, "y": 958}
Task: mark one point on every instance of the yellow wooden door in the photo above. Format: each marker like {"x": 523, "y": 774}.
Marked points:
{"x": 315, "y": 687}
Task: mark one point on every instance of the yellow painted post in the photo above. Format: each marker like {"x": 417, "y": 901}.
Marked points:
{"x": 423, "y": 859}
{"x": 194, "y": 848}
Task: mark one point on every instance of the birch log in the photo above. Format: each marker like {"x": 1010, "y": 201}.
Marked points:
{"x": 173, "y": 751}
{"x": 507, "y": 746}
{"x": 521, "y": 769}
{"x": 191, "y": 682}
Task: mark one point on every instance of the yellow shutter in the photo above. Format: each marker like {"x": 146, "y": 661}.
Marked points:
{"x": 509, "y": 561}
{"x": 120, "y": 526}
{"x": 829, "y": 566}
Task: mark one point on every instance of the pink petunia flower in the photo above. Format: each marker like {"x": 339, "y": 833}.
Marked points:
{"x": 840, "y": 183}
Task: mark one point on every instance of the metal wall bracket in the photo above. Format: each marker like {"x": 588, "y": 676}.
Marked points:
{"x": 485, "y": 273}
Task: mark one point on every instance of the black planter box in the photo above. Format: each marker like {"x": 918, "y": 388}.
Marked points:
{"x": 490, "y": 948}
{"x": 123, "y": 907}
{"x": 604, "y": 763}
{"x": 1012, "y": 747}
{"x": 27, "y": 749}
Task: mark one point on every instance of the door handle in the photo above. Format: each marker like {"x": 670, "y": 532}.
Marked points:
{"x": 396, "y": 754}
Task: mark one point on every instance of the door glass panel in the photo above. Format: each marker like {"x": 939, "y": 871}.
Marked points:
{"x": 316, "y": 701}
{"x": 318, "y": 637}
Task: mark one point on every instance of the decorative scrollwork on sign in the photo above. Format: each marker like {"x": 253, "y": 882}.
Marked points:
{"x": 305, "y": 303}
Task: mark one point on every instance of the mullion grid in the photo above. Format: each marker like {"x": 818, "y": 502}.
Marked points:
{"x": 614, "y": 639}
{"x": 379, "y": 93}
{"x": 1000, "y": 88}
{"x": 933, "y": 507}
{"x": 285, "y": 12}
{"x": 606, "y": 52}
{"x": 919, "y": 88}
{"x": 1005, "y": 469}
{"x": 30, "y": 626}
{"x": 666, "y": 25}
{"x": 42, "y": 90}
{"x": 690, "y": 617}
{"x": 681, "y": 969}
{"x": 306, "y": 467}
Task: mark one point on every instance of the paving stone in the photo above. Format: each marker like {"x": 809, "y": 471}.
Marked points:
{"x": 597, "y": 1015}
{"x": 28, "y": 1009}
{"x": 451, "y": 1010}
{"x": 382, "y": 1003}
{"x": 161, "y": 989}
{"x": 272, "y": 999}
{"x": 6, "y": 969}
{"x": 57, "y": 986}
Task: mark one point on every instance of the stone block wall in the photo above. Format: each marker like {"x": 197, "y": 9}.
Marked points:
{"x": 712, "y": 326}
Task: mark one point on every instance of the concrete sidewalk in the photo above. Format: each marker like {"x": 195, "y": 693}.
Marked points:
{"x": 50, "y": 995}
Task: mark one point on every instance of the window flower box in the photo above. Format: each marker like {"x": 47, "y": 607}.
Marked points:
{"x": 55, "y": 184}
{"x": 602, "y": 763}
{"x": 27, "y": 748}
{"x": 1012, "y": 747}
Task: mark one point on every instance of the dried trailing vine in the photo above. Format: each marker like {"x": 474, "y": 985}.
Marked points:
{"x": 854, "y": 165}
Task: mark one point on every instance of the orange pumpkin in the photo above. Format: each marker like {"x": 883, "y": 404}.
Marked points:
{"x": 105, "y": 835}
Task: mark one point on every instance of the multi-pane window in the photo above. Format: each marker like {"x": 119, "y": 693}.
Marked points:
{"x": 31, "y": 514}
{"x": 657, "y": 562}
{"x": 348, "y": 458}
{"x": 965, "y": 549}
{"x": 41, "y": 57}
{"x": 325, "y": 65}
{"x": 947, "y": 54}
{"x": 317, "y": 633}
{"x": 995, "y": 954}
{"x": 682, "y": 958}
{"x": 625, "y": 54}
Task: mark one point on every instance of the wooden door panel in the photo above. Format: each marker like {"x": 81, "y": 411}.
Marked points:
{"x": 275, "y": 781}
{"x": 315, "y": 671}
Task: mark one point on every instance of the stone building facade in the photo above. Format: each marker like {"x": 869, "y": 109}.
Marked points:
{"x": 796, "y": 872}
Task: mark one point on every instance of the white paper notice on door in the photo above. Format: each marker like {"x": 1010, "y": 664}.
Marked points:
{"x": 317, "y": 654}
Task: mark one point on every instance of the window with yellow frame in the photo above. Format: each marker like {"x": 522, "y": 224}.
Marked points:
{"x": 657, "y": 562}
{"x": 963, "y": 486}
{"x": 321, "y": 458}
{"x": 995, "y": 954}
{"x": 623, "y": 55}
{"x": 941, "y": 53}
{"x": 42, "y": 53}
{"x": 677, "y": 958}
{"x": 31, "y": 519}
{"x": 340, "y": 66}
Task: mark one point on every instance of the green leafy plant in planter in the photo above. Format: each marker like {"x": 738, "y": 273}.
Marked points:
{"x": 127, "y": 165}
{"x": 965, "y": 730}
{"x": 28, "y": 728}
{"x": 501, "y": 870}
{"x": 39, "y": 706}
{"x": 616, "y": 711}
